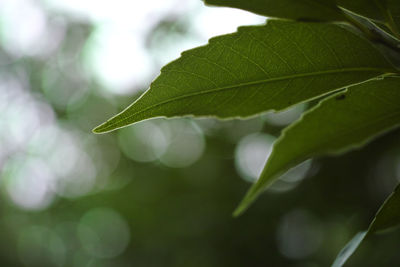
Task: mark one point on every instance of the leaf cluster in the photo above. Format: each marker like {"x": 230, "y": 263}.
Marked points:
{"x": 344, "y": 53}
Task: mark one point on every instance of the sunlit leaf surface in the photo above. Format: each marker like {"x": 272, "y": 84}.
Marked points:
{"x": 259, "y": 68}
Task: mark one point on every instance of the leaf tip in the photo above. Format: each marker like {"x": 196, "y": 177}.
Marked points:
{"x": 349, "y": 249}
{"x": 238, "y": 211}
{"x": 245, "y": 203}
{"x": 102, "y": 128}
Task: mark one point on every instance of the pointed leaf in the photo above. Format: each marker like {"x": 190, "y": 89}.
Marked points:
{"x": 320, "y": 10}
{"x": 372, "y": 9}
{"x": 385, "y": 11}
{"x": 387, "y": 217}
{"x": 349, "y": 249}
{"x": 341, "y": 122}
{"x": 257, "y": 69}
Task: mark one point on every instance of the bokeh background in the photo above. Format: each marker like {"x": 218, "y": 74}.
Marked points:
{"x": 161, "y": 192}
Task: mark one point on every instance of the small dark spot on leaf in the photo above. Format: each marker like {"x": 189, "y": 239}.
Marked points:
{"x": 340, "y": 97}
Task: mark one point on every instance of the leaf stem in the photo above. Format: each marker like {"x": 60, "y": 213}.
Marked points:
{"x": 371, "y": 33}
{"x": 361, "y": 27}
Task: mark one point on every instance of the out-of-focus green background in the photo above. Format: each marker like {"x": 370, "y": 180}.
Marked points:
{"x": 161, "y": 192}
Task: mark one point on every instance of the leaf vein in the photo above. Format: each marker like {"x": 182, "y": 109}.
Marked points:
{"x": 230, "y": 87}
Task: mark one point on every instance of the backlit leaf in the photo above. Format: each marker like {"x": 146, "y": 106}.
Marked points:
{"x": 259, "y": 68}
{"x": 341, "y": 122}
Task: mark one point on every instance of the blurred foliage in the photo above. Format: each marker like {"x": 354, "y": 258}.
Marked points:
{"x": 161, "y": 193}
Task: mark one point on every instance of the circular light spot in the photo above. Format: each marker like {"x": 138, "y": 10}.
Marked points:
{"x": 118, "y": 59}
{"x": 291, "y": 178}
{"x": 35, "y": 37}
{"x": 251, "y": 154}
{"x": 186, "y": 143}
{"x": 64, "y": 153}
{"x": 80, "y": 180}
{"x": 22, "y": 119}
{"x": 103, "y": 233}
{"x": 22, "y": 38}
{"x": 285, "y": 117}
{"x": 299, "y": 234}
{"x": 39, "y": 246}
{"x": 62, "y": 90}
{"x": 29, "y": 183}
{"x": 143, "y": 142}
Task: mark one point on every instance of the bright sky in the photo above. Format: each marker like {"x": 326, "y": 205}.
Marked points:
{"x": 115, "y": 53}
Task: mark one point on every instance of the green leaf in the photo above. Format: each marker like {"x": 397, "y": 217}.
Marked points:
{"x": 385, "y": 11}
{"x": 349, "y": 249}
{"x": 259, "y": 68}
{"x": 314, "y": 10}
{"x": 372, "y": 9}
{"x": 387, "y": 33}
{"x": 338, "y": 123}
{"x": 387, "y": 217}
{"x": 393, "y": 15}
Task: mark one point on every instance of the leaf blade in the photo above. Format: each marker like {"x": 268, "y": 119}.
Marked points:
{"x": 336, "y": 132}
{"x": 384, "y": 11}
{"x": 259, "y": 68}
{"x": 387, "y": 217}
{"x": 349, "y": 249}
{"x": 367, "y": 8}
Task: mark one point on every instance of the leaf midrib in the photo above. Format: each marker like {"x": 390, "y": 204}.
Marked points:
{"x": 230, "y": 87}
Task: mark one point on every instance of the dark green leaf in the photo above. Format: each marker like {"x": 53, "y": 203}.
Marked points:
{"x": 314, "y": 10}
{"x": 393, "y": 14}
{"x": 385, "y": 11}
{"x": 387, "y": 217}
{"x": 341, "y": 122}
{"x": 349, "y": 249}
{"x": 259, "y": 68}
{"x": 368, "y": 8}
